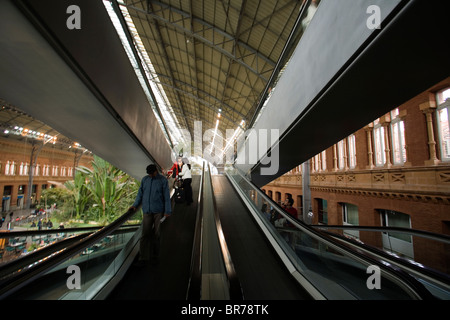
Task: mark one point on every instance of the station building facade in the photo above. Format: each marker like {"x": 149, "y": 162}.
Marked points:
{"x": 54, "y": 164}
{"x": 395, "y": 171}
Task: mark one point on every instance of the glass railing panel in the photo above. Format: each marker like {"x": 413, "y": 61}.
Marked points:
{"x": 82, "y": 275}
{"x": 95, "y": 265}
{"x": 336, "y": 273}
{"x": 425, "y": 257}
{"x": 416, "y": 249}
{"x": 13, "y": 247}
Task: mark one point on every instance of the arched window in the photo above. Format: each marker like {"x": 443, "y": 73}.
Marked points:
{"x": 398, "y": 138}
{"x": 351, "y": 151}
{"x": 10, "y": 168}
{"x": 7, "y": 168}
{"x": 443, "y": 113}
{"x": 379, "y": 145}
{"x": 341, "y": 154}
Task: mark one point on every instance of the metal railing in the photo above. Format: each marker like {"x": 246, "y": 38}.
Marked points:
{"x": 435, "y": 280}
{"x": 194, "y": 286}
{"x": 21, "y": 278}
{"x": 232, "y": 285}
{"x": 312, "y": 257}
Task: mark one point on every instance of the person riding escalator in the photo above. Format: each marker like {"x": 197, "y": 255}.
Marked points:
{"x": 187, "y": 180}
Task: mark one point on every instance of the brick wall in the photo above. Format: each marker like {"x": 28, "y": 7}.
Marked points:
{"x": 420, "y": 188}
{"x": 19, "y": 151}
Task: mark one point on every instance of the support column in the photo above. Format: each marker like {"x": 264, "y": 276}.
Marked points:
{"x": 306, "y": 190}
{"x": 385, "y": 122}
{"x": 387, "y": 144}
{"x": 402, "y": 115}
{"x": 428, "y": 109}
{"x": 344, "y": 146}
{"x": 369, "y": 130}
{"x": 76, "y": 161}
{"x": 35, "y": 150}
{"x": 335, "y": 159}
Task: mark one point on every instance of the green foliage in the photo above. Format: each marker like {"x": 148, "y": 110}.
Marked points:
{"x": 100, "y": 194}
{"x": 80, "y": 195}
{"x": 60, "y": 196}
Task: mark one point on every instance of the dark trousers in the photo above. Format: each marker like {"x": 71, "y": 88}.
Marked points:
{"x": 188, "y": 190}
{"x": 149, "y": 244}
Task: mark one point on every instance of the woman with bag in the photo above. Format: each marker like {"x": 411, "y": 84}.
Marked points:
{"x": 187, "y": 180}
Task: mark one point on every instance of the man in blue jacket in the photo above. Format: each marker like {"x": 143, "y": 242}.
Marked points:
{"x": 154, "y": 196}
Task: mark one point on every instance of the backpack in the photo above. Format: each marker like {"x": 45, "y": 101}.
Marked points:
{"x": 179, "y": 195}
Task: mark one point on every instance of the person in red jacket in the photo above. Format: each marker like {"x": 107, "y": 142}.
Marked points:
{"x": 290, "y": 209}
{"x": 176, "y": 169}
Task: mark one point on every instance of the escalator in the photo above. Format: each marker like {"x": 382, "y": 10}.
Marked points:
{"x": 326, "y": 267}
{"x": 43, "y": 273}
{"x": 261, "y": 273}
{"x": 168, "y": 279}
{"x": 103, "y": 258}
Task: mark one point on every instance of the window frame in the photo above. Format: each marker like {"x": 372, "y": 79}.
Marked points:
{"x": 378, "y": 135}
{"x": 341, "y": 154}
{"x": 398, "y": 139}
{"x": 352, "y": 151}
{"x": 444, "y": 144}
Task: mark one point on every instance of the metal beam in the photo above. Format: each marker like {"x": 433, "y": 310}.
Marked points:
{"x": 221, "y": 103}
{"x": 205, "y": 41}
{"x": 218, "y": 30}
{"x": 129, "y": 36}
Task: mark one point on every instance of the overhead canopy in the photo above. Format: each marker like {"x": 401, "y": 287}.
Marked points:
{"x": 213, "y": 56}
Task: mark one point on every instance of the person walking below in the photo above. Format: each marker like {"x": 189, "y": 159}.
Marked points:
{"x": 154, "y": 196}
{"x": 187, "y": 180}
{"x": 175, "y": 170}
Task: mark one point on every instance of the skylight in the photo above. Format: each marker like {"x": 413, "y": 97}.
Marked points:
{"x": 162, "y": 101}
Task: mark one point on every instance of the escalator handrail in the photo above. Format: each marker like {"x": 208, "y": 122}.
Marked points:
{"x": 15, "y": 282}
{"x": 194, "y": 286}
{"x": 429, "y": 273}
{"x": 8, "y": 268}
{"x": 416, "y": 287}
{"x": 234, "y": 284}
{"x": 41, "y": 253}
{"x": 27, "y": 233}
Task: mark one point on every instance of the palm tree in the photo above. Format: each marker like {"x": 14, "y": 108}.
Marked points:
{"x": 80, "y": 194}
{"x": 110, "y": 188}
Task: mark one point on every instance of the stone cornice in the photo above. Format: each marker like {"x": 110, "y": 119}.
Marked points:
{"x": 437, "y": 198}
{"x": 424, "y": 184}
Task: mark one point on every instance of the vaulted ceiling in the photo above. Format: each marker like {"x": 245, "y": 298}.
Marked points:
{"x": 214, "y": 56}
